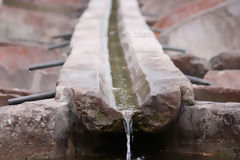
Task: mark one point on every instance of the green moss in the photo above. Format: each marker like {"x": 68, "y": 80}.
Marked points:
{"x": 37, "y": 158}
{"x": 190, "y": 103}
{"x": 115, "y": 127}
{"x": 157, "y": 119}
{"x": 101, "y": 115}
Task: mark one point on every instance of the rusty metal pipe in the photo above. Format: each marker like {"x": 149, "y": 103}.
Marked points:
{"x": 45, "y": 65}
{"x": 62, "y": 45}
{"x": 34, "y": 97}
{"x": 196, "y": 80}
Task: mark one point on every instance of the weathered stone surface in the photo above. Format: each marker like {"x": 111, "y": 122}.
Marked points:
{"x": 226, "y": 60}
{"x": 35, "y": 129}
{"x": 225, "y": 78}
{"x": 57, "y": 6}
{"x": 87, "y": 72}
{"x": 3, "y": 44}
{"x": 189, "y": 64}
{"x": 210, "y": 128}
{"x": 186, "y": 11}
{"x": 216, "y": 94}
{"x": 160, "y": 8}
{"x": 160, "y": 87}
{"x": 20, "y": 92}
{"x": 35, "y": 28}
{"x": 14, "y": 57}
{"x": 215, "y": 36}
{"x": 4, "y": 98}
{"x": 15, "y": 61}
{"x": 6, "y": 94}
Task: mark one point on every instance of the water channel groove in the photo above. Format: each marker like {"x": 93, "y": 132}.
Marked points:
{"x": 126, "y": 101}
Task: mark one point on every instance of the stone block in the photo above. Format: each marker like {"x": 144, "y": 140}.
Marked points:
{"x": 35, "y": 129}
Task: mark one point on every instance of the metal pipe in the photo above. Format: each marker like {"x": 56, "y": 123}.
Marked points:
{"x": 155, "y": 30}
{"x": 66, "y": 36}
{"x": 62, "y": 45}
{"x": 76, "y": 15}
{"x": 168, "y": 48}
{"x": 34, "y": 97}
{"x": 196, "y": 80}
{"x": 45, "y": 65}
{"x": 80, "y": 8}
{"x": 149, "y": 14}
{"x": 140, "y": 4}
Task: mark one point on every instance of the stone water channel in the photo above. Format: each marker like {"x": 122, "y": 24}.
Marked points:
{"x": 126, "y": 100}
{"x": 119, "y": 96}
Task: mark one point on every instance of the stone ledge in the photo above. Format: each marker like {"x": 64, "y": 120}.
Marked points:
{"x": 35, "y": 129}
{"x": 216, "y": 94}
{"x": 208, "y": 127}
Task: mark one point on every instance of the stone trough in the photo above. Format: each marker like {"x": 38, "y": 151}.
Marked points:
{"x": 87, "y": 100}
{"x": 90, "y": 80}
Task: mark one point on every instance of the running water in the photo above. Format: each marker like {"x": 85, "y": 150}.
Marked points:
{"x": 126, "y": 100}
{"x": 128, "y": 130}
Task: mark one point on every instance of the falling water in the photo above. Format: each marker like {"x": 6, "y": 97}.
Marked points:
{"x": 128, "y": 130}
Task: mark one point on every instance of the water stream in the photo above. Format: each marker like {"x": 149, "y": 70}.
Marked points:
{"x": 128, "y": 130}
{"x": 122, "y": 87}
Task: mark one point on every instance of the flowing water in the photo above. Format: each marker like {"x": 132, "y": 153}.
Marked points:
{"x": 128, "y": 130}
{"x": 122, "y": 87}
